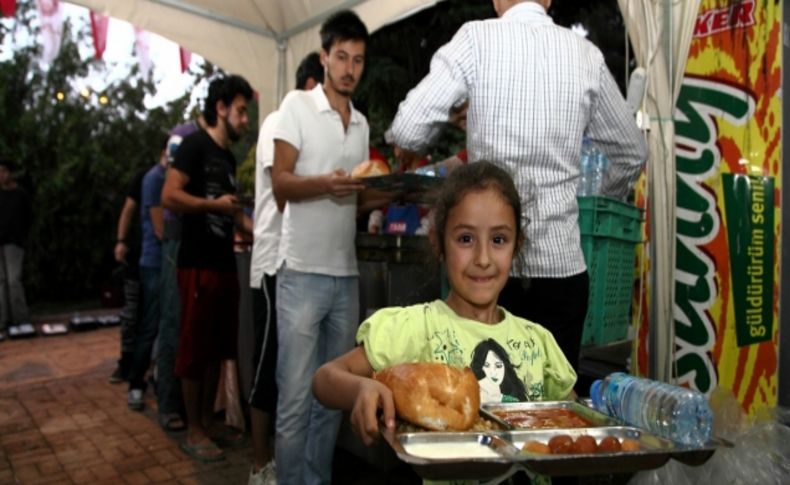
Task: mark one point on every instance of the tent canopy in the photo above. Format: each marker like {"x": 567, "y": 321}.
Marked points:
{"x": 262, "y": 40}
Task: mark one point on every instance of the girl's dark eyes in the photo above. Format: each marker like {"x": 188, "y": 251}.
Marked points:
{"x": 499, "y": 239}
{"x": 465, "y": 238}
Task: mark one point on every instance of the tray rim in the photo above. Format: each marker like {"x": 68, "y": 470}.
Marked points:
{"x": 551, "y": 465}
{"x": 597, "y": 418}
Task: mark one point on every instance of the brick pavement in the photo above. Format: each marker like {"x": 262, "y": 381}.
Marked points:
{"x": 61, "y": 422}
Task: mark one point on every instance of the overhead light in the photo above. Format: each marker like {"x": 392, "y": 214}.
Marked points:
{"x": 85, "y": 93}
{"x": 103, "y": 99}
{"x": 60, "y": 96}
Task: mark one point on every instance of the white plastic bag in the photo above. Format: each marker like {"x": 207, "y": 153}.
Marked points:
{"x": 761, "y": 451}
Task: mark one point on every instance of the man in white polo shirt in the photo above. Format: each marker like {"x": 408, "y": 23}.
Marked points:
{"x": 319, "y": 139}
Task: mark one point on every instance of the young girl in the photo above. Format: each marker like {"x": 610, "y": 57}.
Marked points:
{"x": 477, "y": 233}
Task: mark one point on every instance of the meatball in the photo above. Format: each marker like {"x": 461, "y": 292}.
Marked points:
{"x": 536, "y": 447}
{"x": 585, "y": 444}
{"x": 630, "y": 445}
{"x": 610, "y": 444}
{"x": 561, "y": 444}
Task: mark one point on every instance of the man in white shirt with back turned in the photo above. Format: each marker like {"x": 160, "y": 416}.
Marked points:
{"x": 534, "y": 90}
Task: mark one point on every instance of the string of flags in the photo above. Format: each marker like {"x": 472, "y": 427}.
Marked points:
{"x": 51, "y": 17}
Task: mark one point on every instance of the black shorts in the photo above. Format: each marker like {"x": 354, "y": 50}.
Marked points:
{"x": 263, "y": 392}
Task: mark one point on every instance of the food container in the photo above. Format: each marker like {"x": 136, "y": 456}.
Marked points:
{"x": 653, "y": 452}
{"x": 501, "y": 456}
{"x": 517, "y": 415}
{"x": 498, "y": 453}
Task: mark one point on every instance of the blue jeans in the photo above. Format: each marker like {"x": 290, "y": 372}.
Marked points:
{"x": 317, "y": 320}
{"x": 148, "y": 327}
{"x": 168, "y": 386}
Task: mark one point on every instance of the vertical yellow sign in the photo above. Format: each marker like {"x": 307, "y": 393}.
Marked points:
{"x": 728, "y": 154}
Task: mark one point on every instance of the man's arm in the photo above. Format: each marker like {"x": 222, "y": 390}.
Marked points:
{"x": 175, "y": 198}
{"x": 427, "y": 108}
{"x": 243, "y": 223}
{"x": 157, "y": 220}
{"x": 122, "y": 232}
{"x": 289, "y": 187}
{"x": 613, "y": 129}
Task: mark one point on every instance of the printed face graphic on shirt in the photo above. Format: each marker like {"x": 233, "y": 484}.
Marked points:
{"x": 343, "y": 66}
{"x": 492, "y": 364}
{"x": 494, "y": 368}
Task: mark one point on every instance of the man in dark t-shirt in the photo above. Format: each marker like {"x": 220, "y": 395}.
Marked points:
{"x": 127, "y": 253}
{"x": 202, "y": 186}
{"x": 16, "y": 215}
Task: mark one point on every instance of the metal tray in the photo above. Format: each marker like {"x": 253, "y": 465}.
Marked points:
{"x": 402, "y": 182}
{"x": 653, "y": 453}
{"x": 455, "y": 468}
{"x": 594, "y": 417}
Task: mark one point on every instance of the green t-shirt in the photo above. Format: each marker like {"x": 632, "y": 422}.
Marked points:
{"x": 514, "y": 360}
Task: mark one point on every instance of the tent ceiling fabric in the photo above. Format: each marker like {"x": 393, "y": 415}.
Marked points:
{"x": 242, "y": 36}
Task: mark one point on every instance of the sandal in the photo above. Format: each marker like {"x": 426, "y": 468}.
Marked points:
{"x": 172, "y": 422}
{"x": 203, "y": 452}
{"x": 227, "y": 437}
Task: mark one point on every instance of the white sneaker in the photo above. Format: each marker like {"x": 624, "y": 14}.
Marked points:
{"x": 265, "y": 476}
{"x": 135, "y": 400}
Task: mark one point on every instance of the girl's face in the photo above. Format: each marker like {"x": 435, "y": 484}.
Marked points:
{"x": 480, "y": 239}
{"x": 493, "y": 367}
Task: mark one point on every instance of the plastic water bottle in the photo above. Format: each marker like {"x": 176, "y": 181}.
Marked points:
{"x": 585, "y": 177}
{"x": 600, "y": 165}
{"x": 680, "y": 414}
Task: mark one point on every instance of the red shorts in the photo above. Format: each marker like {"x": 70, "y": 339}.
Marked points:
{"x": 209, "y": 320}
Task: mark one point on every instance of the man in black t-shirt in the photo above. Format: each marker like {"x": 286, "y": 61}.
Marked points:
{"x": 202, "y": 186}
{"x": 16, "y": 215}
{"x": 127, "y": 253}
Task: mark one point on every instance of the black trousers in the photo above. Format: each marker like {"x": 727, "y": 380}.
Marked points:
{"x": 559, "y": 304}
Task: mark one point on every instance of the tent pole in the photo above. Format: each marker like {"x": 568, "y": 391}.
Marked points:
{"x": 282, "y": 79}
{"x": 214, "y": 16}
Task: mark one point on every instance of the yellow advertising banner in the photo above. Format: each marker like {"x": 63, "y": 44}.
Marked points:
{"x": 728, "y": 154}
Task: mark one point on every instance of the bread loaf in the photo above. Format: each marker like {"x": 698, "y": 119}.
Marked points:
{"x": 432, "y": 395}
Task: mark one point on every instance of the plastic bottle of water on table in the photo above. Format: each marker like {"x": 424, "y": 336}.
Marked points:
{"x": 584, "y": 188}
{"x": 600, "y": 164}
{"x": 680, "y": 414}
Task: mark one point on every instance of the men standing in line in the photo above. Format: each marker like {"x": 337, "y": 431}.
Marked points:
{"x": 202, "y": 186}
{"x": 16, "y": 215}
{"x": 534, "y": 91}
{"x": 319, "y": 139}
{"x": 263, "y": 272}
{"x": 168, "y": 387}
{"x": 127, "y": 253}
{"x": 152, "y": 224}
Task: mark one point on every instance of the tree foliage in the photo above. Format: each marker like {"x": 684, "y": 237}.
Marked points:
{"x": 76, "y": 155}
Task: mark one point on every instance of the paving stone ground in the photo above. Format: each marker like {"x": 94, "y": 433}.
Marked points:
{"x": 62, "y": 422}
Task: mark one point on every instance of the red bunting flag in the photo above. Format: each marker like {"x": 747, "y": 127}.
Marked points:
{"x": 99, "y": 25}
{"x": 186, "y": 58}
{"x": 142, "y": 49}
{"x": 51, "y": 18}
{"x": 8, "y": 7}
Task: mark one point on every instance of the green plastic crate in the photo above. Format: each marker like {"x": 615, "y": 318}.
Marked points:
{"x": 610, "y": 231}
